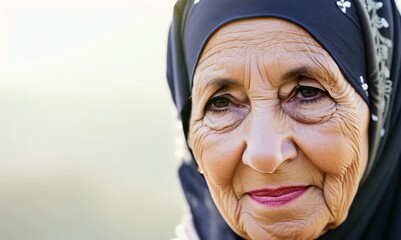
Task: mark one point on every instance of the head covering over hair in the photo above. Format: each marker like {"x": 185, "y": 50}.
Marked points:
{"x": 364, "y": 38}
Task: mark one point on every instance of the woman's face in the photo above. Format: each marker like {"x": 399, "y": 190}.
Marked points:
{"x": 279, "y": 133}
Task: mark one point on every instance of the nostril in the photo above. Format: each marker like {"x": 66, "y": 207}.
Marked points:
{"x": 268, "y": 157}
{"x": 262, "y": 159}
{"x": 289, "y": 150}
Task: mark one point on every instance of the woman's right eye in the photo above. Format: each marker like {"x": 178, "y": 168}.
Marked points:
{"x": 224, "y": 111}
{"x": 218, "y": 103}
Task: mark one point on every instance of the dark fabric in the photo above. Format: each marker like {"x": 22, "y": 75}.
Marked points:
{"x": 364, "y": 40}
{"x": 207, "y": 219}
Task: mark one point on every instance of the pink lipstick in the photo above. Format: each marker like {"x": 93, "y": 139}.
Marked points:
{"x": 278, "y": 196}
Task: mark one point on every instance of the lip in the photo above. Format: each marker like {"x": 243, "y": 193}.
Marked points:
{"x": 278, "y": 196}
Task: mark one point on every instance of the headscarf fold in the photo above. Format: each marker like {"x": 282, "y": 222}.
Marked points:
{"x": 363, "y": 37}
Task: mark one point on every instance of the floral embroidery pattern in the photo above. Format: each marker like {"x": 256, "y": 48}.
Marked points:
{"x": 343, "y": 5}
{"x": 380, "y": 84}
{"x": 382, "y": 47}
{"x": 364, "y": 85}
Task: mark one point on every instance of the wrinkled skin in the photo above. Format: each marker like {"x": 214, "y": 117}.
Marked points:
{"x": 270, "y": 108}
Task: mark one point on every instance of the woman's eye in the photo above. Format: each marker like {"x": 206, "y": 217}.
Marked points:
{"x": 225, "y": 111}
{"x": 309, "y": 105}
{"x": 307, "y": 93}
{"x": 218, "y": 103}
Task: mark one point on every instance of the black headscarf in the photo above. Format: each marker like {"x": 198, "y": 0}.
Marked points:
{"x": 364, "y": 38}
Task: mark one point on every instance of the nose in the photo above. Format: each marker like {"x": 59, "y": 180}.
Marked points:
{"x": 267, "y": 146}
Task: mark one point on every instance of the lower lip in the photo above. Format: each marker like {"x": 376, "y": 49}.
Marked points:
{"x": 277, "y": 197}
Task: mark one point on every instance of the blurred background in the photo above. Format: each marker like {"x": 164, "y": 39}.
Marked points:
{"x": 87, "y": 127}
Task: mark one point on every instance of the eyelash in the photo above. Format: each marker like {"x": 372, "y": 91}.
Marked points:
{"x": 297, "y": 90}
{"x": 217, "y": 98}
{"x": 308, "y": 100}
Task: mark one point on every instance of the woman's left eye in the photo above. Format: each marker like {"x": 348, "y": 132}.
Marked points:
{"x": 308, "y": 93}
{"x": 302, "y": 102}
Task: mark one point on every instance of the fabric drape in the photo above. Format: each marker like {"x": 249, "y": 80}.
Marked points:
{"x": 363, "y": 37}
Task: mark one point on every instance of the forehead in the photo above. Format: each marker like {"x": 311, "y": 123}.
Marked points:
{"x": 278, "y": 47}
{"x": 253, "y": 35}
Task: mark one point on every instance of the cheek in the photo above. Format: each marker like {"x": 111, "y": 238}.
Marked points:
{"x": 327, "y": 147}
{"x": 338, "y": 143}
{"x": 219, "y": 154}
{"x": 340, "y": 151}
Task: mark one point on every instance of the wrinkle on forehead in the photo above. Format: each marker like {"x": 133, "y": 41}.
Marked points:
{"x": 246, "y": 34}
{"x": 252, "y": 47}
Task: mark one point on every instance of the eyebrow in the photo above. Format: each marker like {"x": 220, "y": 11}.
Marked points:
{"x": 305, "y": 71}
{"x": 222, "y": 82}
{"x": 225, "y": 82}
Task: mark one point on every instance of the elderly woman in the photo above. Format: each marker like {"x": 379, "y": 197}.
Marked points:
{"x": 291, "y": 110}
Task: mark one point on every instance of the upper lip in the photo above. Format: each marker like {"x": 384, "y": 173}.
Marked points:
{"x": 276, "y": 192}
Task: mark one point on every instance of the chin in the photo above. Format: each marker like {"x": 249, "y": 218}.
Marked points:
{"x": 294, "y": 230}
{"x": 306, "y": 218}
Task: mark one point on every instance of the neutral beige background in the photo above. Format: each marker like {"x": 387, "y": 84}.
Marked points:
{"x": 87, "y": 131}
